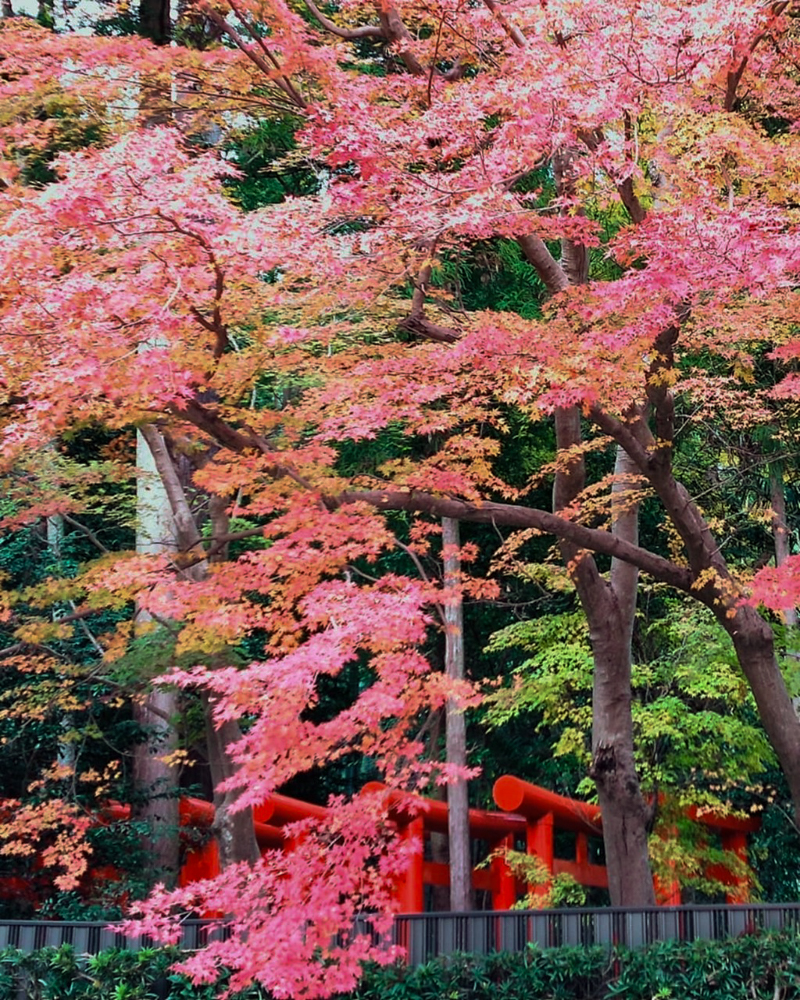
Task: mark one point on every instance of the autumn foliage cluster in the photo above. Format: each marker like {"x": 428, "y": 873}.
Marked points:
{"x": 642, "y": 157}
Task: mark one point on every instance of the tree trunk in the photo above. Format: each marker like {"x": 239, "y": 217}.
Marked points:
{"x": 437, "y": 842}
{"x": 155, "y": 780}
{"x": 780, "y": 534}
{"x": 154, "y": 21}
{"x": 54, "y": 528}
{"x": 752, "y": 636}
{"x": 233, "y": 830}
{"x": 610, "y": 607}
{"x": 456, "y": 726}
{"x": 158, "y": 781}
{"x": 626, "y": 816}
{"x": 754, "y": 644}
{"x": 6, "y": 10}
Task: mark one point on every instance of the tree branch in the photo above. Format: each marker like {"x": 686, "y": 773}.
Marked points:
{"x": 87, "y": 531}
{"x": 395, "y": 30}
{"x": 511, "y": 30}
{"x": 734, "y": 76}
{"x": 281, "y": 81}
{"x": 367, "y": 31}
{"x": 188, "y": 537}
{"x": 205, "y": 419}
{"x": 511, "y": 516}
{"x": 624, "y": 437}
{"x": 506, "y": 515}
{"x": 430, "y": 331}
{"x": 416, "y": 322}
{"x": 660, "y": 395}
{"x": 625, "y": 187}
{"x": 547, "y": 267}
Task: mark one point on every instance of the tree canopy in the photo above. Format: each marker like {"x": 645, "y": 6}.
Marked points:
{"x": 429, "y": 259}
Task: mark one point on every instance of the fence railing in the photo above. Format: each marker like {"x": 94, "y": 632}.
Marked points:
{"x": 426, "y": 936}
{"x": 431, "y": 935}
{"x": 90, "y": 936}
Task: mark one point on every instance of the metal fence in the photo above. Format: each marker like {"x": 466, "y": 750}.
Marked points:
{"x": 426, "y": 936}
{"x": 90, "y": 936}
{"x": 431, "y": 935}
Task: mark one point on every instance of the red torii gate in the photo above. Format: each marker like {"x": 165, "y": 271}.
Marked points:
{"x": 535, "y": 813}
{"x": 416, "y": 816}
{"x": 529, "y": 813}
{"x": 268, "y": 819}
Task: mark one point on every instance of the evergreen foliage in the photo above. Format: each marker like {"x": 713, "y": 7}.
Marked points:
{"x": 750, "y": 967}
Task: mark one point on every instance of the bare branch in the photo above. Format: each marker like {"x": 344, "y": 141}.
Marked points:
{"x": 281, "y": 81}
{"x": 430, "y": 331}
{"x": 734, "y": 76}
{"x": 395, "y": 30}
{"x": 512, "y": 516}
{"x": 87, "y": 531}
{"x": 624, "y": 188}
{"x": 547, "y": 267}
{"x": 624, "y": 437}
{"x": 367, "y": 31}
{"x": 416, "y": 322}
{"x": 511, "y": 30}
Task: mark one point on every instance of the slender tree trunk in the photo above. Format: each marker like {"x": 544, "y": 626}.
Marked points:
{"x": 626, "y": 816}
{"x": 155, "y": 780}
{"x": 154, "y": 20}
{"x": 752, "y": 636}
{"x": 456, "y": 727}
{"x": 780, "y": 534}
{"x": 54, "y": 527}
{"x": 439, "y": 848}
{"x": 6, "y": 10}
{"x": 233, "y": 829}
{"x": 754, "y": 643}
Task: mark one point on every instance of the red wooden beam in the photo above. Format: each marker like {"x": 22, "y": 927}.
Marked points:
{"x": 281, "y": 809}
{"x": 733, "y": 824}
{"x": 483, "y": 824}
{"x": 585, "y": 873}
{"x": 518, "y": 796}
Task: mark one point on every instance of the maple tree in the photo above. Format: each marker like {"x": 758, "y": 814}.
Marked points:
{"x": 427, "y": 126}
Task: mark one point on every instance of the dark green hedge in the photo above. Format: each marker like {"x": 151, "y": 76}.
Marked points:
{"x": 747, "y": 968}
{"x": 58, "y": 974}
{"x": 751, "y": 967}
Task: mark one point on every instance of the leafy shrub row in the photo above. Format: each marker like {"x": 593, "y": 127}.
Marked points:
{"x": 751, "y": 967}
{"x": 59, "y": 974}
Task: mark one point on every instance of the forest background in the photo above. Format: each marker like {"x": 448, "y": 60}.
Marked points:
{"x": 286, "y": 293}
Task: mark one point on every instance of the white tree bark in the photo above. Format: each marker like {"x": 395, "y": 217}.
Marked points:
{"x": 155, "y": 780}
{"x": 456, "y": 732}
